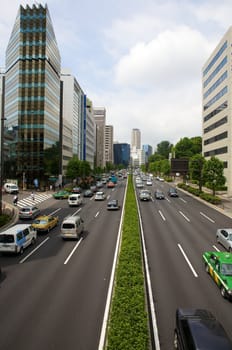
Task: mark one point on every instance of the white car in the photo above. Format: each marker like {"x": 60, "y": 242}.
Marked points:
{"x": 149, "y": 183}
{"x": 100, "y": 196}
{"x": 224, "y": 236}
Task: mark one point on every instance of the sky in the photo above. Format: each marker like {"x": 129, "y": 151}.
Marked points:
{"x": 140, "y": 59}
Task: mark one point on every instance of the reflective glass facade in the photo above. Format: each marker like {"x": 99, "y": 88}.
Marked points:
{"x": 32, "y": 95}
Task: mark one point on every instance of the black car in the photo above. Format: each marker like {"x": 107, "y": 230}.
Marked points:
{"x": 88, "y": 193}
{"x": 172, "y": 192}
{"x": 159, "y": 194}
{"x": 199, "y": 329}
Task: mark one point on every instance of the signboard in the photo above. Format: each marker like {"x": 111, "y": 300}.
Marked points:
{"x": 179, "y": 166}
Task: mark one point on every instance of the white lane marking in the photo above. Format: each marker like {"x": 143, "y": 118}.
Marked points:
{"x": 187, "y": 260}
{"x": 38, "y": 246}
{"x": 186, "y": 218}
{"x": 216, "y": 248}
{"x": 96, "y": 214}
{"x": 205, "y": 216}
{"x": 168, "y": 199}
{"x": 72, "y": 252}
{"x": 55, "y": 211}
{"x": 162, "y": 216}
{"x": 77, "y": 211}
{"x": 183, "y": 200}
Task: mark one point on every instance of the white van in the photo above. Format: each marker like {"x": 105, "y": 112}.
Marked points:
{"x": 74, "y": 199}
{"x": 11, "y": 188}
{"x": 72, "y": 227}
{"x": 17, "y": 238}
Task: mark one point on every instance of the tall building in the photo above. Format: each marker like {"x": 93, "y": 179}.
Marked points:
{"x": 122, "y": 154}
{"x": 32, "y": 96}
{"x": 90, "y": 134}
{"x": 109, "y": 136}
{"x": 100, "y": 121}
{"x": 136, "y": 139}
{"x": 148, "y": 152}
{"x": 217, "y": 106}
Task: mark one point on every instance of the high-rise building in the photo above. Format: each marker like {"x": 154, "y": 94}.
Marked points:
{"x": 122, "y": 154}
{"x": 90, "y": 134}
{"x": 72, "y": 115}
{"x": 100, "y": 121}
{"x": 109, "y": 136}
{"x": 136, "y": 139}
{"x": 148, "y": 152}
{"x": 32, "y": 96}
{"x": 216, "y": 103}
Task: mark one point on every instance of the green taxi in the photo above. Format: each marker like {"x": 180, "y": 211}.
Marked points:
{"x": 219, "y": 266}
{"x": 63, "y": 194}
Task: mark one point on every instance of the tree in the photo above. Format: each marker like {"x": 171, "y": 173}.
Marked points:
{"x": 164, "y": 149}
{"x": 188, "y": 147}
{"x": 73, "y": 168}
{"x": 213, "y": 173}
{"x": 196, "y": 165}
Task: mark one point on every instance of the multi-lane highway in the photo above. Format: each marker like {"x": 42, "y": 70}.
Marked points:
{"x": 177, "y": 231}
{"x": 54, "y": 295}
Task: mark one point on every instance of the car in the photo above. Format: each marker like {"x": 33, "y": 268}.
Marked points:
{"x": 76, "y": 190}
{"x": 110, "y": 184}
{"x": 159, "y": 194}
{"x": 100, "y": 196}
{"x": 145, "y": 195}
{"x": 219, "y": 266}
{"x": 139, "y": 184}
{"x": 161, "y": 179}
{"x": 224, "y": 236}
{"x": 63, "y": 194}
{"x": 45, "y": 223}
{"x": 88, "y": 193}
{"x": 199, "y": 329}
{"x": 74, "y": 199}
{"x": 172, "y": 192}
{"x": 93, "y": 188}
{"x": 28, "y": 212}
{"x": 113, "y": 205}
{"x": 16, "y": 238}
{"x": 149, "y": 183}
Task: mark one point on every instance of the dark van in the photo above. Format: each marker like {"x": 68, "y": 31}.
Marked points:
{"x": 198, "y": 329}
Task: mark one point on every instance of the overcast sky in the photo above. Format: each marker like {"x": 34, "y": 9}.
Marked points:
{"x": 140, "y": 59}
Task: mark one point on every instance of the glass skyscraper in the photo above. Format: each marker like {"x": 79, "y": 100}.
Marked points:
{"x": 32, "y": 97}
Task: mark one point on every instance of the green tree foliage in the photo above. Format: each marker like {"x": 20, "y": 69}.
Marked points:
{"x": 73, "y": 168}
{"x": 51, "y": 160}
{"x": 188, "y": 147}
{"x": 213, "y": 173}
{"x": 163, "y": 149}
{"x": 196, "y": 165}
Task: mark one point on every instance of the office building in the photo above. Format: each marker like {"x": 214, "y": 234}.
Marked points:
{"x": 216, "y": 106}
{"x": 122, "y": 154}
{"x": 32, "y": 96}
{"x": 100, "y": 121}
{"x": 90, "y": 134}
{"x": 109, "y": 136}
{"x": 147, "y": 151}
{"x": 135, "y": 139}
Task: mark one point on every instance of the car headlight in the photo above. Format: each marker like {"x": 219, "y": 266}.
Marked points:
{"x": 229, "y": 291}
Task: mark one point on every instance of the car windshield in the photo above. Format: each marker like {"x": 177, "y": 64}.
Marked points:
{"x": 40, "y": 222}
{"x": 226, "y": 269}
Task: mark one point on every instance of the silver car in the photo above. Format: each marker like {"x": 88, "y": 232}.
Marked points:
{"x": 224, "y": 236}
{"x": 29, "y": 212}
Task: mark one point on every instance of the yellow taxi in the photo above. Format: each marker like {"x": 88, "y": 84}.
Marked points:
{"x": 45, "y": 223}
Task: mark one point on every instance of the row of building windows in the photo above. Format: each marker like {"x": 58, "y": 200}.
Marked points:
{"x": 215, "y": 58}
{"x": 216, "y": 138}
{"x": 216, "y": 125}
{"x": 216, "y": 97}
{"x": 216, "y": 111}
{"x": 216, "y": 152}
{"x": 216, "y": 84}
{"x": 215, "y": 72}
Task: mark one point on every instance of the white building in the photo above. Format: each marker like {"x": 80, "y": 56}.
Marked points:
{"x": 217, "y": 106}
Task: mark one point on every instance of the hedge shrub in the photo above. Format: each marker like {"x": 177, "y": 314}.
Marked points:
{"x": 128, "y": 322}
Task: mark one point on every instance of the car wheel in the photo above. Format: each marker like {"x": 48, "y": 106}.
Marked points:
{"x": 33, "y": 241}
{"x": 48, "y": 229}
{"x": 217, "y": 239}
{"x": 21, "y": 251}
{"x": 230, "y": 249}
{"x": 207, "y": 268}
{"x": 223, "y": 292}
{"x": 175, "y": 343}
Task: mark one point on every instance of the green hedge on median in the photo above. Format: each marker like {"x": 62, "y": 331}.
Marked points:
{"x": 128, "y": 323}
